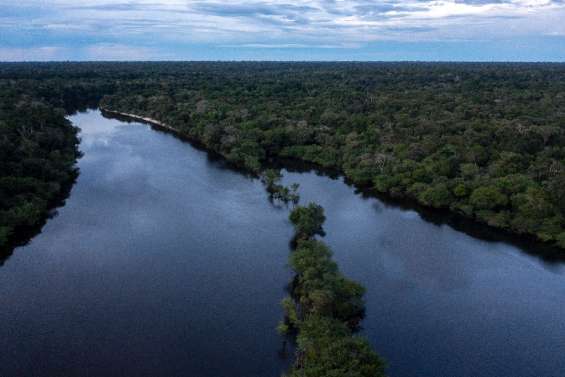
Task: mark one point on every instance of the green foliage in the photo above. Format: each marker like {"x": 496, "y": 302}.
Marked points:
{"x": 308, "y": 220}
{"x": 283, "y": 328}
{"x": 290, "y": 311}
{"x": 271, "y": 178}
{"x": 4, "y": 235}
{"x": 436, "y": 196}
{"x": 487, "y": 198}
{"x": 38, "y": 149}
{"x": 460, "y": 190}
{"x": 326, "y": 306}
{"x": 327, "y": 349}
{"x": 320, "y": 288}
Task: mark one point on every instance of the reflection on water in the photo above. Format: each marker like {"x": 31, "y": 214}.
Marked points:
{"x": 165, "y": 262}
{"x": 162, "y": 262}
{"x": 440, "y": 302}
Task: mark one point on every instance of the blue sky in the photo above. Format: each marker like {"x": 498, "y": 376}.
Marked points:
{"x": 476, "y": 30}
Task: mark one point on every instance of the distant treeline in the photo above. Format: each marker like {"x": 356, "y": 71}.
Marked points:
{"x": 486, "y": 141}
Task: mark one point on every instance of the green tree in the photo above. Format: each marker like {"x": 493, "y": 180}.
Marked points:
{"x": 308, "y": 221}
{"x": 487, "y": 198}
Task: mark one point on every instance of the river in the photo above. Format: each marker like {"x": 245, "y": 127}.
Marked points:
{"x": 165, "y": 262}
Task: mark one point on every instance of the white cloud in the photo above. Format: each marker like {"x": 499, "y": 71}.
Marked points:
{"x": 109, "y": 28}
{"x": 113, "y": 51}
{"x": 99, "y": 51}
{"x": 31, "y": 54}
{"x": 292, "y": 45}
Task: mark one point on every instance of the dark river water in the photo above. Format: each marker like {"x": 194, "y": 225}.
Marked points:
{"x": 164, "y": 262}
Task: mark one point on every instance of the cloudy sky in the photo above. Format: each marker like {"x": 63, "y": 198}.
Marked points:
{"x": 523, "y": 30}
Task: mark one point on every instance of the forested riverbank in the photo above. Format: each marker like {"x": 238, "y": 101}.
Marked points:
{"x": 484, "y": 141}
{"x": 38, "y": 150}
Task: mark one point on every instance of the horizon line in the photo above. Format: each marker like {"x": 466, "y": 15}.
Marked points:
{"x": 282, "y": 61}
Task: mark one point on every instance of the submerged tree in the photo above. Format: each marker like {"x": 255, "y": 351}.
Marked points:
{"x": 272, "y": 178}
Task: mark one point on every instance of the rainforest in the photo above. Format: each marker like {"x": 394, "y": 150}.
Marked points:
{"x": 478, "y": 144}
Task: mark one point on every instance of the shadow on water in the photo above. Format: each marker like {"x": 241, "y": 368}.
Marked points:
{"x": 212, "y": 156}
{"x": 24, "y": 235}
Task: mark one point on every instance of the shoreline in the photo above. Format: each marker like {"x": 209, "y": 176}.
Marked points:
{"x": 154, "y": 122}
{"x": 474, "y": 227}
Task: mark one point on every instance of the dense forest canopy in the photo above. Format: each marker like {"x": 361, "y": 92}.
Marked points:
{"x": 484, "y": 140}
{"x": 37, "y": 156}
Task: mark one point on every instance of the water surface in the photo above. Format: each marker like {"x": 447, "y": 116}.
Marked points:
{"x": 441, "y": 303}
{"x": 164, "y": 262}
{"x": 161, "y": 263}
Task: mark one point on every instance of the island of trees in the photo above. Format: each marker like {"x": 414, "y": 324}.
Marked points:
{"x": 324, "y": 308}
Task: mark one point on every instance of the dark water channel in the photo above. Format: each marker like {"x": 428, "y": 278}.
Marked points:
{"x": 164, "y": 262}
